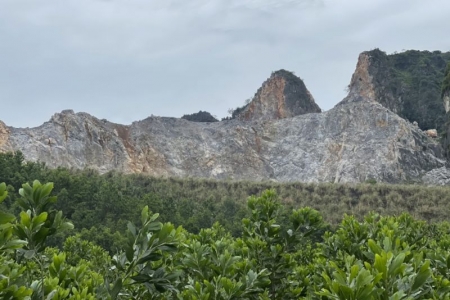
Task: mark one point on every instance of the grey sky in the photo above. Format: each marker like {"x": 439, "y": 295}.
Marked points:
{"x": 125, "y": 60}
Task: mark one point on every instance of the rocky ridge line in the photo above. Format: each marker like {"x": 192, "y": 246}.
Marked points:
{"x": 350, "y": 143}
{"x": 357, "y": 140}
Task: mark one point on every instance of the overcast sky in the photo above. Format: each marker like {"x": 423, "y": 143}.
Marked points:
{"x": 125, "y": 60}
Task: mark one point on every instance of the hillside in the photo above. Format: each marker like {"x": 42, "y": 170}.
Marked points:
{"x": 100, "y": 205}
{"x": 408, "y": 83}
{"x": 280, "y": 135}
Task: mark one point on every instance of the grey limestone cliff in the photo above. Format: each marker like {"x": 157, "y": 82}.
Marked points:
{"x": 280, "y": 136}
{"x": 350, "y": 143}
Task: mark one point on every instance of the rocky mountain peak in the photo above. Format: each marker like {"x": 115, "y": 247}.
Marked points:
{"x": 359, "y": 139}
{"x": 361, "y": 86}
{"x": 407, "y": 83}
{"x": 373, "y": 80}
{"x": 283, "y": 95}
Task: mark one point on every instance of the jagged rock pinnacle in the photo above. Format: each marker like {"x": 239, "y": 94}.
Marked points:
{"x": 283, "y": 95}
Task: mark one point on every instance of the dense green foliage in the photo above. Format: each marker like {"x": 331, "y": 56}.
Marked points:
{"x": 201, "y": 116}
{"x": 101, "y": 205}
{"x": 421, "y": 74}
{"x": 446, "y": 82}
{"x": 378, "y": 258}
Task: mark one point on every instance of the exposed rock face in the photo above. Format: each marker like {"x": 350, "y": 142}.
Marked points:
{"x": 367, "y": 82}
{"x": 280, "y": 135}
{"x": 440, "y": 176}
{"x": 446, "y": 99}
{"x": 432, "y": 133}
{"x": 4, "y": 134}
{"x": 283, "y": 95}
{"x": 351, "y": 143}
{"x": 361, "y": 86}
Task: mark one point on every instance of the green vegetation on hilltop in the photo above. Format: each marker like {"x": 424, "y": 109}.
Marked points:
{"x": 411, "y": 83}
{"x": 446, "y": 82}
{"x": 201, "y": 116}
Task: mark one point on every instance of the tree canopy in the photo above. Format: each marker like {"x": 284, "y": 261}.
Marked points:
{"x": 377, "y": 258}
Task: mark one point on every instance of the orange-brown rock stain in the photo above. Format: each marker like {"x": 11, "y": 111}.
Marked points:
{"x": 4, "y": 134}
{"x": 124, "y": 134}
{"x": 361, "y": 83}
{"x": 147, "y": 160}
{"x": 268, "y": 101}
{"x": 382, "y": 123}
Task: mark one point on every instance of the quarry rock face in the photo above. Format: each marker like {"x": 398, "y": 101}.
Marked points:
{"x": 408, "y": 83}
{"x": 4, "y": 134}
{"x": 280, "y": 136}
{"x": 369, "y": 82}
{"x": 361, "y": 87}
{"x": 350, "y": 143}
{"x": 439, "y": 176}
{"x": 283, "y": 95}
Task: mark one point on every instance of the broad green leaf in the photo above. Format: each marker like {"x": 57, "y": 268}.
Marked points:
{"x": 396, "y": 263}
{"x": 40, "y": 220}
{"x": 374, "y": 247}
{"x": 3, "y": 192}
{"x": 25, "y": 219}
{"x": 15, "y": 244}
{"x": 422, "y": 276}
{"x": 6, "y": 218}
{"x": 114, "y": 292}
{"x": 131, "y": 228}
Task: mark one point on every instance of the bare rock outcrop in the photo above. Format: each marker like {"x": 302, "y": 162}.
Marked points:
{"x": 281, "y": 135}
{"x": 439, "y": 176}
{"x": 283, "y": 95}
{"x": 4, "y": 134}
{"x": 350, "y": 143}
{"x": 370, "y": 79}
{"x": 361, "y": 86}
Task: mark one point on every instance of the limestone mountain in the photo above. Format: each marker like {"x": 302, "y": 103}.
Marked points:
{"x": 283, "y": 95}
{"x": 280, "y": 135}
{"x": 407, "y": 83}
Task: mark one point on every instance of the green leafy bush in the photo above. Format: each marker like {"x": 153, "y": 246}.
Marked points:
{"x": 393, "y": 257}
